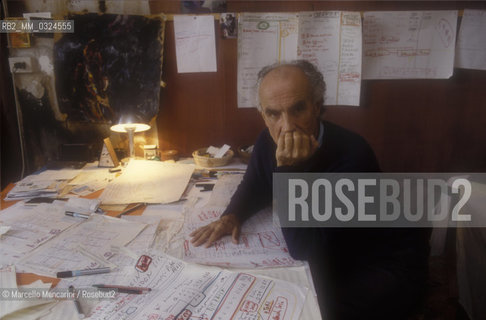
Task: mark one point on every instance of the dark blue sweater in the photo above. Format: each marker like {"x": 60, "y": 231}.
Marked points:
{"x": 334, "y": 253}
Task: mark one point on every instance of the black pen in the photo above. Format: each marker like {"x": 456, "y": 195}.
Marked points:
{"x": 123, "y": 289}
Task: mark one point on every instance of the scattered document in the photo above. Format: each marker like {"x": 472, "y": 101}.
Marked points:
{"x": 86, "y": 246}
{"x": 471, "y": 42}
{"x": 261, "y": 243}
{"x": 149, "y": 182}
{"x": 331, "y": 40}
{"x": 31, "y": 226}
{"x": 28, "y": 188}
{"x": 263, "y": 38}
{"x": 184, "y": 291}
{"x": 409, "y": 44}
{"x": 145, "y": 239}
{"x": 195, "y": 43}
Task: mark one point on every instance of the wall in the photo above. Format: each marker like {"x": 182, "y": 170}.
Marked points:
{"x": 413, "y": 125}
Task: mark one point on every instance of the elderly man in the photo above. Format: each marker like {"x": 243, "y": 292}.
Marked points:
{"x": 358, "y": 273}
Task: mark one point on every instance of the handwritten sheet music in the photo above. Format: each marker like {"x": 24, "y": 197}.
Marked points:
{"x": 148, "y": 181}
{"x": 261, "y": 243}
{"x": 88, "y": 245}
{"x": 195, "y": 43}
{"x": 332, "y": 41}
{"x": 409, "y": 44}
{"x": 471, "y": 43}
{"x": 263, "y": 38}
{"x": 184, "y": 291}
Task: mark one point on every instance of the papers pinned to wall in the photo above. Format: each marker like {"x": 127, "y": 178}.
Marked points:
{"x": 331, "y": 40}
{"x": 195, "y": 43}
{"x": 409, "y": 44}
{"x": 471, "y": 42}
{"x": 263, "y": 38}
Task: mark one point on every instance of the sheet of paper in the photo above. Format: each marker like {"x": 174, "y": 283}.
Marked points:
{"x": 195, "y": 43}
{"x": 184, "y": 291}
{"x": 8, "y": 282}
{"x": 91, "y": 179}
{"x": 263, "y": 38}
{"x": 261, "y": 243}
{"x": 64, "y": 310}
{"x": 62, "y": 174}
{"x": 471, "y": 44}
{"x": 149, "y": 182}
{"x": 299, "y": 276}
{"x": 145, "y": 239}
{"x": 165, "y": 211}
{"x": 332, "y": 41}
{"x": 409, "y": 44}
{"x": 32, "y": 226}
{"x": 224, "y": 189}
{"x": 88, "y": 245}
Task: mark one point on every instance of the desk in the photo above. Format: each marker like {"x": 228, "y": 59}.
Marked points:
{"x": 298, "y": 275}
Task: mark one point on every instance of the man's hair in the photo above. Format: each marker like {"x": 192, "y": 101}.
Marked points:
{"x": 316, "y": 80}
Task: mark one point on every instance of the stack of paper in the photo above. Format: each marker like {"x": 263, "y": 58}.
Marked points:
{"x": 45, "y": 184}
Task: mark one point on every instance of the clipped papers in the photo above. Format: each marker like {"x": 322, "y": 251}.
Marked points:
{"x": 149, "y": 182}
{"x": 195, "y": 43}
{"x": 409, "y": 44}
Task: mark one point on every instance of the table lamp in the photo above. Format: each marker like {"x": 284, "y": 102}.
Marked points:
{"x": 130, "y": 128}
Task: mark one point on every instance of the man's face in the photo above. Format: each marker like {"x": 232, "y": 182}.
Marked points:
{"x": 287, "y": 104}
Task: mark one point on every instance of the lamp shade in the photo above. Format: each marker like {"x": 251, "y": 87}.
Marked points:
{"x": 125, "y": 127}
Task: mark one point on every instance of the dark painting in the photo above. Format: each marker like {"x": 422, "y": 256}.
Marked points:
{"x": 109, "y": 67}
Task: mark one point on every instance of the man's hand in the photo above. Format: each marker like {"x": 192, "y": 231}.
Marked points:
{"x": 294, "y": 147}
{"x": 207, "y": 235}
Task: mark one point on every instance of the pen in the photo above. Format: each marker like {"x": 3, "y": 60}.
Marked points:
{"x": 76, "y": 303}
{"x": 123, "y": 289}
{"x": 77, "y": 215}
{"x": 75, "y": 273}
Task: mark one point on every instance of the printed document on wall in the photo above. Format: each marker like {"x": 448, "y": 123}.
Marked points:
{"x": 332, "y": 41}
{"x": 263, "y": 38}
{"x": 409, "y": 44}
{"x": 195, "y": 43}
{"x": 471, "y": 41}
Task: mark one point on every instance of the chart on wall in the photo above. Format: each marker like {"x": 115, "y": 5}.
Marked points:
{"x": 409, "y": 44}
{"x": 111, "y": 65}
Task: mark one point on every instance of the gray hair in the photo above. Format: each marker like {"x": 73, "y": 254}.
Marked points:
{"x": 316, "y": 80}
